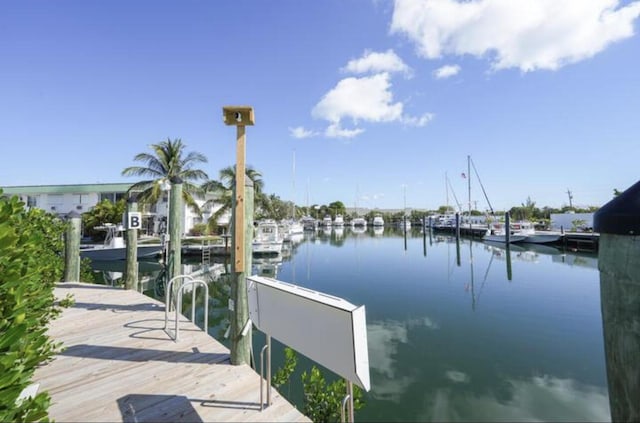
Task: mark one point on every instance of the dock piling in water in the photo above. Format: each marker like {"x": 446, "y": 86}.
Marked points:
{"x": 240, "y": 339}
{"x": 618, "y": 223}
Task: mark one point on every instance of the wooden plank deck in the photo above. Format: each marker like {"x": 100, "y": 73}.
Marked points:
{"x": 120, "y": 365}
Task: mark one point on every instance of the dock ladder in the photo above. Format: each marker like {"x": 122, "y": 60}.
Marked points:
{"x": 173, "y": 300}
{"x": 206, "y": 252}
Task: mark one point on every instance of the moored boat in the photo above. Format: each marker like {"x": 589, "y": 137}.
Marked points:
{"x": 114, "y": 247}
{"x": 268, "y": 239}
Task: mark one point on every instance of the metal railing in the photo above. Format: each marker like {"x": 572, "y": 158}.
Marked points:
{"x": 176, "y": 301}
{"x": 268, "y": 348}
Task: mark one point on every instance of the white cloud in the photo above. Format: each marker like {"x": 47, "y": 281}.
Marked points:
{"x": 362, "y": 99}
{"x": 336, "y": 131}
{"x": 301, "y": 132}
{"x": 417, "y": 120}
{"x": 446, "y": 71}
{"x": 524, "y": 34}
{"x": 368, "y": 98}
{"x": 374, "y": 62}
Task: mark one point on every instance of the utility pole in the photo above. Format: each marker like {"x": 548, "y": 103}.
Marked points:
{"x": 570, "y": 198}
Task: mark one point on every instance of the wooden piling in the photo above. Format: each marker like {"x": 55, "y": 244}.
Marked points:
{"x": 72, "y": 248}
{"x": 175, "y": 227}
{"x": 507, "y": 228}
{"x": 240, "y": 332}
{"x": 618, "y": 223}
{"x": 131, "y": 269}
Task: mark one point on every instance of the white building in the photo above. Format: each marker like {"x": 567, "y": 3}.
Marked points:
{"x": 566, "y": 221}
{"x": 81, "y": 198}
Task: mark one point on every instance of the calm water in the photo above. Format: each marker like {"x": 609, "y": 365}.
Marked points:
{"x": 453, "y": 335}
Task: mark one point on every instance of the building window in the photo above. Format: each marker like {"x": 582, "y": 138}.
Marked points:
{"x": 80, "y": 198}
{"x": 32, "y": 201}
{"x": 111, "y": 196}
{"x": 55, "y": 199}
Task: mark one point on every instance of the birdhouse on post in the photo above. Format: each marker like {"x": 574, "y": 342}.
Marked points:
{"x": 239, "y": 116}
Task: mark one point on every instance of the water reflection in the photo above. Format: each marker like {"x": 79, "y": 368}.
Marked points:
{"x": 450, "y": 337}
{"x": 539, "y": 398}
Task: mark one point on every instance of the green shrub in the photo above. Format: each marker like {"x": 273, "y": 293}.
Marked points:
{"x": 31, "y": 261}
{"x": 199, "y": 229}
{"x": 322, "y": 401}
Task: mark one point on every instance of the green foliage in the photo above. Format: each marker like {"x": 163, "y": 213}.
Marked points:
{"x": 578, "y": 224}
{"x": 31, "y": 262}
{"x": 199, "y": 229}
{"x": 169, "y": 159}
{"x": 272, "y": 207}
{"x": 103, "y": 212}
{"x": 283, "y": 375}
{"x": 86, "y": 271}
{"x": 223, "y": 189}
{"x": 322, "y": 401}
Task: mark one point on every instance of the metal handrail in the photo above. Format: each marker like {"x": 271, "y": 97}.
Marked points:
{"x": 344, "y": 406}
{"x": 194, "y": 283}
{"x": 268, "y": 348}
{"x": 167, "y": 297}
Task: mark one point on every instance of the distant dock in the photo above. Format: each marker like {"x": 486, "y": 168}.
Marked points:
{"x": 120, "y": 366}
{"x": 575, "y": 241}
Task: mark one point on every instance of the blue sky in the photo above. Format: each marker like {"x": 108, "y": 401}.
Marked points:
{"x": 375, "y": 98}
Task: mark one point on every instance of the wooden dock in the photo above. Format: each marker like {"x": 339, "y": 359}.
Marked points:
{"x": 119, "y": 365}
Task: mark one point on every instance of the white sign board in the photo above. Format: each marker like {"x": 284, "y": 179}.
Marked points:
{"x": 327, "y": 329}
{"x": 134, "y": 220}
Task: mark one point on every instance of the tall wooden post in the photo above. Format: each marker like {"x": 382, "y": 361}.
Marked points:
{"x": 175, "y": 227}
{"x": 72, "y": 248}
{"x": 131, "y": 270}
{"x": 240, "y": 325}
{"x": 239, "y": 200}
{"x": 618, "y": 223}
{"x": 240, "y": 116}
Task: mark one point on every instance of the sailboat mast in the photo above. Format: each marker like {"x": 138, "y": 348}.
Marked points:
{"x": 293, "y": 201}
{"x": 469, "y": 185}
{"x": 446, "y": 190}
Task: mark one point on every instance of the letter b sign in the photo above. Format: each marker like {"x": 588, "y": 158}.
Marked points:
{"x": 134, "y": 220}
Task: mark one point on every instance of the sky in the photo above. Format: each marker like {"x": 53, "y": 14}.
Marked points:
{"x": 375, "y": 103}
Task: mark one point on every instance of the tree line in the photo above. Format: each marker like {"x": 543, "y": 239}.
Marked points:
{"x": 169, "y": 159}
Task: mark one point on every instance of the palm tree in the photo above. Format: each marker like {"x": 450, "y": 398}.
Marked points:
{"x": 223, "y": 189}
{"x": 169, "y": 160}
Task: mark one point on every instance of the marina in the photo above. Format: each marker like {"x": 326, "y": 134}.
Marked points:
{"x": 459, "y": 329}
{"x": 120, "y": 365}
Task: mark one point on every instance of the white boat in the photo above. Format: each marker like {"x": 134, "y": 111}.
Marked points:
{"x": 268, "y": 239}
{"x": 543, "y": 237}
{"x": 359, "y": 222}
{"x": 309, "y": 223}
{"x": 338, "y": 221}
{"x": 518, "y": 232}
{"x": 404, "y": 224}
{"x": 114, "y": 247}
{"x": 292, "y": 231}
{"x": 378, "y": 221}
{"x": 327, "y": 221}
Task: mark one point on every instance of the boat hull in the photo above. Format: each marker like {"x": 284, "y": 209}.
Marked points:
{"x": 502, "y": 238}
{"x": 267, "y": 248}
{"x": 542, "y": 238}
{"x": 119, "y": 253}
